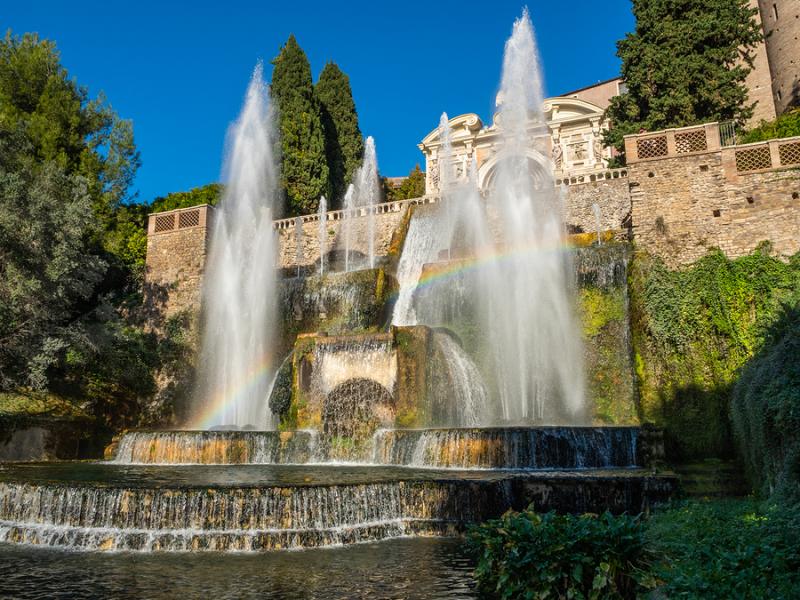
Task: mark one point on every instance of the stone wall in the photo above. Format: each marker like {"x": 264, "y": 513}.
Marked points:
{"x": 385, "y": 226}
{"x": 684, "y": 205}
{"x": 177, "y": 243}
{"x": 611, "y": 195}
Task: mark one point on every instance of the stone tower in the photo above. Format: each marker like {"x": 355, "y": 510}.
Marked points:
{"x": 781, "y": 22}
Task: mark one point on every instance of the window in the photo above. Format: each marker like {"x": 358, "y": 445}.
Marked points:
{"x": 775, "y": 11}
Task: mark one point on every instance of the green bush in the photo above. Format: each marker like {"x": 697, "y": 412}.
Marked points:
{"x": 726, "y": 549}
{"x": 532, "y": 555}
{"x": 787, "y": 125}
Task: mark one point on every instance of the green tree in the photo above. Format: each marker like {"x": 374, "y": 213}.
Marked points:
{"x": 46, "y": 274}
{"x": 344, "y": 145}
{"x": 63, "y": 125}
{"x": 686, "y": 63}
{"x": 413, "y": 186}
{"x": 304, "y": 170}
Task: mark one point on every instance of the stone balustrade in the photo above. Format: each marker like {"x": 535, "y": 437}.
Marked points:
{"x": 683, "y": 141}
{"x": 338, "y": 215}
{"x": 605, "y": 175}
{"x": 704, "y": 139}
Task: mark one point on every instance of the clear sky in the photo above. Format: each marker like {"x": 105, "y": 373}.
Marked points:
{"x": 179, "y": 69}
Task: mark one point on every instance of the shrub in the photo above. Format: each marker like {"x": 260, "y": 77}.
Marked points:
{"x": 765, "y": 410}
{"x": 726, "y": 549}
{"x": 532, "y": 555}
{"x": 786, "y": 125}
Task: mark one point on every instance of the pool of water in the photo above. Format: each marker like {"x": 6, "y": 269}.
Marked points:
{"x": 401, "y": 568}
{"x": 99, "y": 474}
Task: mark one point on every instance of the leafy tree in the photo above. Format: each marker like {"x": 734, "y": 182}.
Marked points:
{"x": 304, "y": 170}
{"x": 63, "y": 125}
{"x": 344, "y": 145}
{"x": 686, "y": 63}
{"x": 46, "y": 274}
{"x": 412, "y": 187}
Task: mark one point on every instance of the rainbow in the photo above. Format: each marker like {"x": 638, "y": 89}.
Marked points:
{"x": 458, "y": 266}
{"x": 215, "y": 407}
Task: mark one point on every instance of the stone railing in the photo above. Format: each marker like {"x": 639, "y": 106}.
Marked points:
{"x": 181, "y": 218}
{"x": 764, "y": 156}
{"x": 592, "y": 177}
{"x": 338, "y": 215}
{"x": 701, "y": 139}
{"x": 684, "y": 141}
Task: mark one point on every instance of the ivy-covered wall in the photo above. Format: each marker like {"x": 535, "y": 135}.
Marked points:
{"x": 693, "y": 331}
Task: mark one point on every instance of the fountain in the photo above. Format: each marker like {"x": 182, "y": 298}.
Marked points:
{"x": 236, "y": 359}
{"x": 323, "y": 233}
{"x": 407, "y": 401}
{"x": 598, "y": 223}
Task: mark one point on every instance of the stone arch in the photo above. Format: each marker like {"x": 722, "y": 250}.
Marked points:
{"x": 540, "y": 169}
{"x": 356, "y": 407}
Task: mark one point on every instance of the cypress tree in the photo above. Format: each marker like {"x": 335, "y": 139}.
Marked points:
{"x": 304, "y": 170}
{"x": 344, "y": 146}
{"x": 686, "y": 63}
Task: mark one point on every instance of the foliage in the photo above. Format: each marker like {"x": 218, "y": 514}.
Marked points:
{"x": 786, "y": 125}
{"x": 304, "y": 170}
{"x": 47, "y": 277}
{"x": 686, "y": 63}
{"x": 693, "y": 330}
{"x": 205, "y": 194}
{"x": 62, "y": 125}
{"x": 765, "y": 410}
{"x": 344, "y": 145}
{"x": 413, "y": 186}
{"x": 532, "y": 555}
{"x": 72, "y": 247}
{"x": 726, "y": 549}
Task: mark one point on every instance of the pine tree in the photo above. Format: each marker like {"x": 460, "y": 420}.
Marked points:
{"x": 304, "y": 169}
{"x": 686, "y": 63}
{"x": 344, "y": 146}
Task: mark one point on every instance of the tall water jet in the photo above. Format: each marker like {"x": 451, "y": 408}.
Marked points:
{"x": 236, "y": 358}
{"x": 323, "y": 233}
{"x": 349, "y": 199}
{"x": 360, "y": 199}
{"x": 368, "y": 193}
{"x": 446, "y": 178}
{"x": 298, "y": 243}
{"x": 524, "y": 286}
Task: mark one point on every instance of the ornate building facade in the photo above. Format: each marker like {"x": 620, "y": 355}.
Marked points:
{"x": 570, "y": 139}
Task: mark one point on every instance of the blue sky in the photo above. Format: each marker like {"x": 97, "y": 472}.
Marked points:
{"x": 179, "y": 70}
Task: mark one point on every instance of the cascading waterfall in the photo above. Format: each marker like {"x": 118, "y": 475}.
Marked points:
{"x": 509, "y": 448}
{"x": 421, "y": 246}
{"x": 467, "y": 393}
{"x": 215, "y": 447}
{"x": 524, "y": 286}
{"x": 236, "y": 358}
{"x": 323, "y": 233}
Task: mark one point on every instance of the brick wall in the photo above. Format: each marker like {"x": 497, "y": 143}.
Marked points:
{"x": 781, "y": 22}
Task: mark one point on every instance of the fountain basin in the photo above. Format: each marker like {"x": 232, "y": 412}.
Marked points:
{"x": 103, "y": 506}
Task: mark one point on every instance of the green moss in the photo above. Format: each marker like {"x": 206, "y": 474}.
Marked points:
{"x": 599, "y": 307}
{"x": 38, "y": 404}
